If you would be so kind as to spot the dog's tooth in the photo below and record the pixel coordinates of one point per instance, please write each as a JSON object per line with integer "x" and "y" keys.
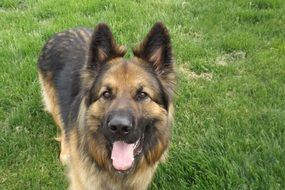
{"x": 136, "y": 144}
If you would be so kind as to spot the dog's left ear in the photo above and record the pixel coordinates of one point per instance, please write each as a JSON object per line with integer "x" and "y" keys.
{"x": 156, "y": 48}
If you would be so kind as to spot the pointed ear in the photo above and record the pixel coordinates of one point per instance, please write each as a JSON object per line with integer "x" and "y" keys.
{"x": 156, "y": 48}
{"x": 103, "y": 46}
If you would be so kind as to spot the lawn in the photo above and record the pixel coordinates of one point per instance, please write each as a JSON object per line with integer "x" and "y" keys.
{"x": 229, "y": 131}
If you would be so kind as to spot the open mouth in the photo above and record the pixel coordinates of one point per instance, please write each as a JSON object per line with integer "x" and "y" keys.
{"x": 123, "y": 154}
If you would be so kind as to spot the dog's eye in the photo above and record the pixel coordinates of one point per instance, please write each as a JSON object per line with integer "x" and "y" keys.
{"x": 141, "y": 96}
{"x": 107, "y": 95}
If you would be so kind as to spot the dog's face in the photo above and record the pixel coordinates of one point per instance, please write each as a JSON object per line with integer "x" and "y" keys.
{"x": 128, "y": 101}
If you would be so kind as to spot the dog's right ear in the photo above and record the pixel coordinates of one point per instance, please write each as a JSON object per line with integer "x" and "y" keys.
{"x": 156, "y": 49}
{"x": 103, "y": 47}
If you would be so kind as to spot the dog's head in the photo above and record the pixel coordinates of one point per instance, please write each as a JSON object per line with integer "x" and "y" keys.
{"x": 128, "y": 102}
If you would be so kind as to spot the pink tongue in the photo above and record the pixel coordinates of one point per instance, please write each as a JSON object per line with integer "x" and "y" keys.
{"x": 122, "y": 155}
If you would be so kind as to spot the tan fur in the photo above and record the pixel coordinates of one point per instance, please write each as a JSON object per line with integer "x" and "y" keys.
{"x": 84, "y": 175}
{"x": 51, "y": 105}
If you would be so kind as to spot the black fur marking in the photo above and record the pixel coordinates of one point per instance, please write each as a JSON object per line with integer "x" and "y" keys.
{"x": 150, "y": 137}
{"x": 93, "y": 95}
{"x": 64, "y": 56}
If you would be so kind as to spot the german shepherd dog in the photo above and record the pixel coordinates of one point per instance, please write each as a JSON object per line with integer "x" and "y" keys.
{"x": 114, "y": 114}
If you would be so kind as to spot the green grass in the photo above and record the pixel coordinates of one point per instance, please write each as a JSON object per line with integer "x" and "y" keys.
{"x": 230, "y": 105}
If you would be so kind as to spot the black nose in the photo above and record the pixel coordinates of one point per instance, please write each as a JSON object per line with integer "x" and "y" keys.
{"x": 120, "y": 125}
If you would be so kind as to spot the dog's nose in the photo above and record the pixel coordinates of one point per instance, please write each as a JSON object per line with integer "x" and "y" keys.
{"x": 120, "y": 125}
